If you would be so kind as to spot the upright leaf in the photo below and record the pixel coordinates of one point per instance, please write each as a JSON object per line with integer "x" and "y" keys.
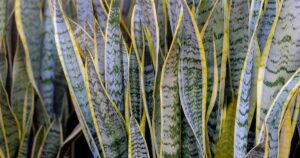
{"x": 107, "y": 118}
{"x": 114, "y": 50}
{"x": 137, "y": 144}
{"x": 280, "y": 59}
{"x": 193, "y": 78}
{"x": 170, "y": 102}
{"x": 73, "y": 70}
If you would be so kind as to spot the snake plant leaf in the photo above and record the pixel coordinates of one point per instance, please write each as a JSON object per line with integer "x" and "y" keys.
{"x": 24, "y": 146}
{"x": 29, "y": 25}
{"x": 73, "y": 136}
{"x": 114, "y": 50}
{"x": 137, "y": 32}
{"x": 202, "y": 13}
{"x": 170, "y": 102}
{"x": 137, "y": 146}
{"x": 173, "y": 11}
{"x": 47, "y": 86}
{"x": 10, "y": 123}
{"x": 108, "y": 121}
{"x": 19, "y": 83}
{"x": 3, "y": 62}
{"x": 267, "y": 20}
{"x": 257, "y": 152}
{"x": 85, "y": 13}
{"x": 149, "y": 20}
{"x": 162, "y": 20}
{"x": 73, "y": 70}
{"x": 213, "y": 114}
{"x": 239, "y": 40}
{"x": 225, "y": 145}
{"x": 3, "y": 143}
{"x": 101, "y": 13}
{"x": 276, "y": 113}
{"x": 286, "y": 133}
{"x": 246, "y": 84}
{"x": 51, "y": 141}
{"x": 37, "y": 141}
{"x": 281, "y": 60}
{"x": 135, "y": 89}
{"x": 193, "y": 78}
{"x": 189, "y": 147}
{"x": 99, "y": 45}
{"x": 3, "y": 4}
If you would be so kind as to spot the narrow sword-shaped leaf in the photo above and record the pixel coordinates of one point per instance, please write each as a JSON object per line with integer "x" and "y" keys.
{"x": 37, "y": 141}
{"x": 173, "y": 11}
{"x": 114, "y": 50}
{"x": 101, "y": 13}
{"x": 267, "y": 20}
{"x": 52, "y": 140}
{"x": 189, "y": 147}
{"x": 73, "y": 70}
{"x": 48, "y": 59}
{"x": 10, "y": 124}
{"x": 149, "y": 20}
{"x": 137, "y": 146}
{"x": 170, "y": 102}
{"x": 29, "y": 25}
{"x": 99, "y": 46}
{"x": 193, "y": 78}
{"x": 85, "y": 13}
{"x": 3, "y": 4}
{"x": 108, "y": 121}
{"x": 24, "y": 147}
{"x": 245, "y": 93}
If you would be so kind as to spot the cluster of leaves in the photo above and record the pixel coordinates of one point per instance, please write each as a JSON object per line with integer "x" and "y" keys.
{"x": 149, "y": 78}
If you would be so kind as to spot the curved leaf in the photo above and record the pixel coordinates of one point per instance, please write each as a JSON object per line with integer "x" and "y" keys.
{"x": 193, "y": 78}
{"x": 73, "y": 70}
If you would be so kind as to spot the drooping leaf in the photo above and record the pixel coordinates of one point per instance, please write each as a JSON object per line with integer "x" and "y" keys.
{"x": 73, "y": 69}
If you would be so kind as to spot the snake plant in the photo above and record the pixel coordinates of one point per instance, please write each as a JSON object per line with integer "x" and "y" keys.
{"x": 149, "y": 78}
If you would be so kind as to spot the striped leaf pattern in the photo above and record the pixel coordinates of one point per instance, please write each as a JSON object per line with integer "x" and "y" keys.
{"x": 114, "y": 50}
{"x": 137, "y": 144}
{"x": 73, "y": 69}
{"x": 170, "y": 103}
{"x": 282, "y": 58}
{"x": 107, "y": 118}
{"x": 192, "y": 78}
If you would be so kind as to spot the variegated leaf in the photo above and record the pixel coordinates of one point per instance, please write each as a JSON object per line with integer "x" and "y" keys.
{"x": 276, "y": 113}
{"x": 280, "y": 58}
{"x": 137, "y": 146}
{"x": 245, "y": 93}
{"x": 73, "y": 70}
{"x": 239, "y": 21}
{"x": 170, "y": 103}
{"x": 193, "y": 78}
{"x": 29, "y": 25}
{"x": 114, "y": 51}
{"x": 51, "y": 141}
{"x": 107, "y": 118}
{"x": 10, "y": 123}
